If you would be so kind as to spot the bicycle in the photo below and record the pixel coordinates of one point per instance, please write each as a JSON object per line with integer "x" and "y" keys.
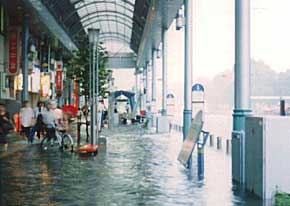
{"x": 63, "y": 140}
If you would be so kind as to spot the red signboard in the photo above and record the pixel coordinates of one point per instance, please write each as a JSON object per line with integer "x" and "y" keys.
{"x": 58, "y": 80}
{"x": 12, "y": 69}
{"x": 76, "y": 94}
{"x": 59, "y": 66}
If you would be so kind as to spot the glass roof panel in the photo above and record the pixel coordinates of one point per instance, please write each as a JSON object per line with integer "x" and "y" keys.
{"x": 114, "y": 18}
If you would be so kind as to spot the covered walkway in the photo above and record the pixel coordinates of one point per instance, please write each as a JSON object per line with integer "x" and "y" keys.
{"x": 139, "y": 167}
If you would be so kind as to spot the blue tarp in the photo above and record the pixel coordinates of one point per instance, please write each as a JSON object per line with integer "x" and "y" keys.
{"x": 129, "y": 95}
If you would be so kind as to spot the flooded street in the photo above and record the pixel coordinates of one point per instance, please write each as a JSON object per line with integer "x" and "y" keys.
{"x": 138, "y": 168}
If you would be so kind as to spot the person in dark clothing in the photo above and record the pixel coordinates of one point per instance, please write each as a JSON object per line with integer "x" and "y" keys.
{"x": 5, "y": 124}
{"x": 39, "y": 126}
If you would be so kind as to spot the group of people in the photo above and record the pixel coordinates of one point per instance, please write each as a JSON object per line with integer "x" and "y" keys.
{"x": 42, "y": 117}
{"x": 45, "y": 117}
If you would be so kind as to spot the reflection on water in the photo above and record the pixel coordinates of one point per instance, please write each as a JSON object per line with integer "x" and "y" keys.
{"x": 138, "y": 168}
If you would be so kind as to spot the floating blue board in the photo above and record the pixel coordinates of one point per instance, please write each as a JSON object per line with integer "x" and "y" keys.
{"x": 191, "y": 139}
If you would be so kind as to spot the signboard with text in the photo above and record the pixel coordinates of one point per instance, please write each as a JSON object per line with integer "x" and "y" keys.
{"x": 58, "y": 80}
{"x": 13, "y": 44}
{"x": 44, "y": 85}
{"x": 76, "y": 94}
{"x": 35, "y": 80}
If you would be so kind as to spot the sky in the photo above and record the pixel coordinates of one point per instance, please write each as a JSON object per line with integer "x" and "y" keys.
{"x": 214, "y": 40}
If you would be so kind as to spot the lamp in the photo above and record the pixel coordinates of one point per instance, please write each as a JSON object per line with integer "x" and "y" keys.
{"x": 93, "y": 35}
{"x": 159, "y": 53}
{"x": 94, "y": 80}
{"x": 179, "y": 19}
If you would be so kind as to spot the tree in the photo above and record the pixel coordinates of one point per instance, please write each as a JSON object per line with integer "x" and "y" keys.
{"x": 79, "y": 69}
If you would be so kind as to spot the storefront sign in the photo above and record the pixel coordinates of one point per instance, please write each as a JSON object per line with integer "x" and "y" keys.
{"x": 35, "y": 80}
{"x": 12, "y": 69}
{"x": 59, "y": 66}
{"x": 58, "y": 80}
{"x": 18, "y": 82}
{"x": 44, "y": 85}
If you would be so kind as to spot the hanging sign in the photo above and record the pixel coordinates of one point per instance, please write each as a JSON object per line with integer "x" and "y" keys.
{"x": 35, "y": 79}
{"x": 12, "y": 69}
{"x": 76, "y": 94}
{"x": 18, "y": 82}
{"x": 58, "y": 80}
{"x": 44, "y": 85}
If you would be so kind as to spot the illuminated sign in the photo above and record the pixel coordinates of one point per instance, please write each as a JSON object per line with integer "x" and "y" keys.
{"x": 18, "y": 82}
{"x": 58, "y": 80}
{"x": 35, "y": 80}
{"x": 44, "y": 85}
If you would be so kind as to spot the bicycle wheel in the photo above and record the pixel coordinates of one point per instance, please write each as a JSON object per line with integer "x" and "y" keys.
{"x": 45, "y": 143}
{"x": 67, "y": 143}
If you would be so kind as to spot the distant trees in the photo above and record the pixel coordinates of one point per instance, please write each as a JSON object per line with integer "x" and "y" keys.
{"x": 264, "y": 82}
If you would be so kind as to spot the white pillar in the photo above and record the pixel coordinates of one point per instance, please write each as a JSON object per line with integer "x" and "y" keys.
{"x": 147, "y": 83}
{"x": 154, "y": 57}
{"x": 153, "y": 93}
{"x": 164, "y": 70}
{"x": 242, "y": 87}
{"x": 144, "y": 89}
{"x": 188, "y": 66}
{"x": 242, "y": 55}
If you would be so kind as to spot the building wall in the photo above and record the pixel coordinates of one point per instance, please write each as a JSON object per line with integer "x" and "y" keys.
{"x": 4, "y": 91}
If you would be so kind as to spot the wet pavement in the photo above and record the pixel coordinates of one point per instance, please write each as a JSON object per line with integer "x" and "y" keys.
{"x": 138, "y": 168}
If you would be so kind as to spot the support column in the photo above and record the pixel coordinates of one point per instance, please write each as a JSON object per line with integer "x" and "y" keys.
{"x": 25, "y": 94}
{"x": 242, "y": 85}
{"x": 163, "y": 125}
{"x": 141, "y": 83}
{"x": 148, "y": 100}
{"x": 153, "y": 93}
{"x": 93, "y": 94}
{"x": 147, "y": 84}
{"x": 136, "y": 92}
{"x": 144, "y": 90}
{"x": 98, "y": 118}
{"x": 136, "y": 85}
{"x": 69, "y": 92}
{"x": 188, "y": 65}
{"x": 164, "y": 71}
{"x": 154, "y": 57}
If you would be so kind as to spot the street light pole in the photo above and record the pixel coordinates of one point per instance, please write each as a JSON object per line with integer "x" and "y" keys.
{"x": 93, "y": 40}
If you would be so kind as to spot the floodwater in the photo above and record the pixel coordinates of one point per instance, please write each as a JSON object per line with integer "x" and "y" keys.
{"x": 138, "y": 168}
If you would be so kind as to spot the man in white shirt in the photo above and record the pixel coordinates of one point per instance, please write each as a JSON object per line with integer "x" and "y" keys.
{"x": 27, "y": 119}
{"x": 101, "y": 109}
{"x": 49, "y": 120}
